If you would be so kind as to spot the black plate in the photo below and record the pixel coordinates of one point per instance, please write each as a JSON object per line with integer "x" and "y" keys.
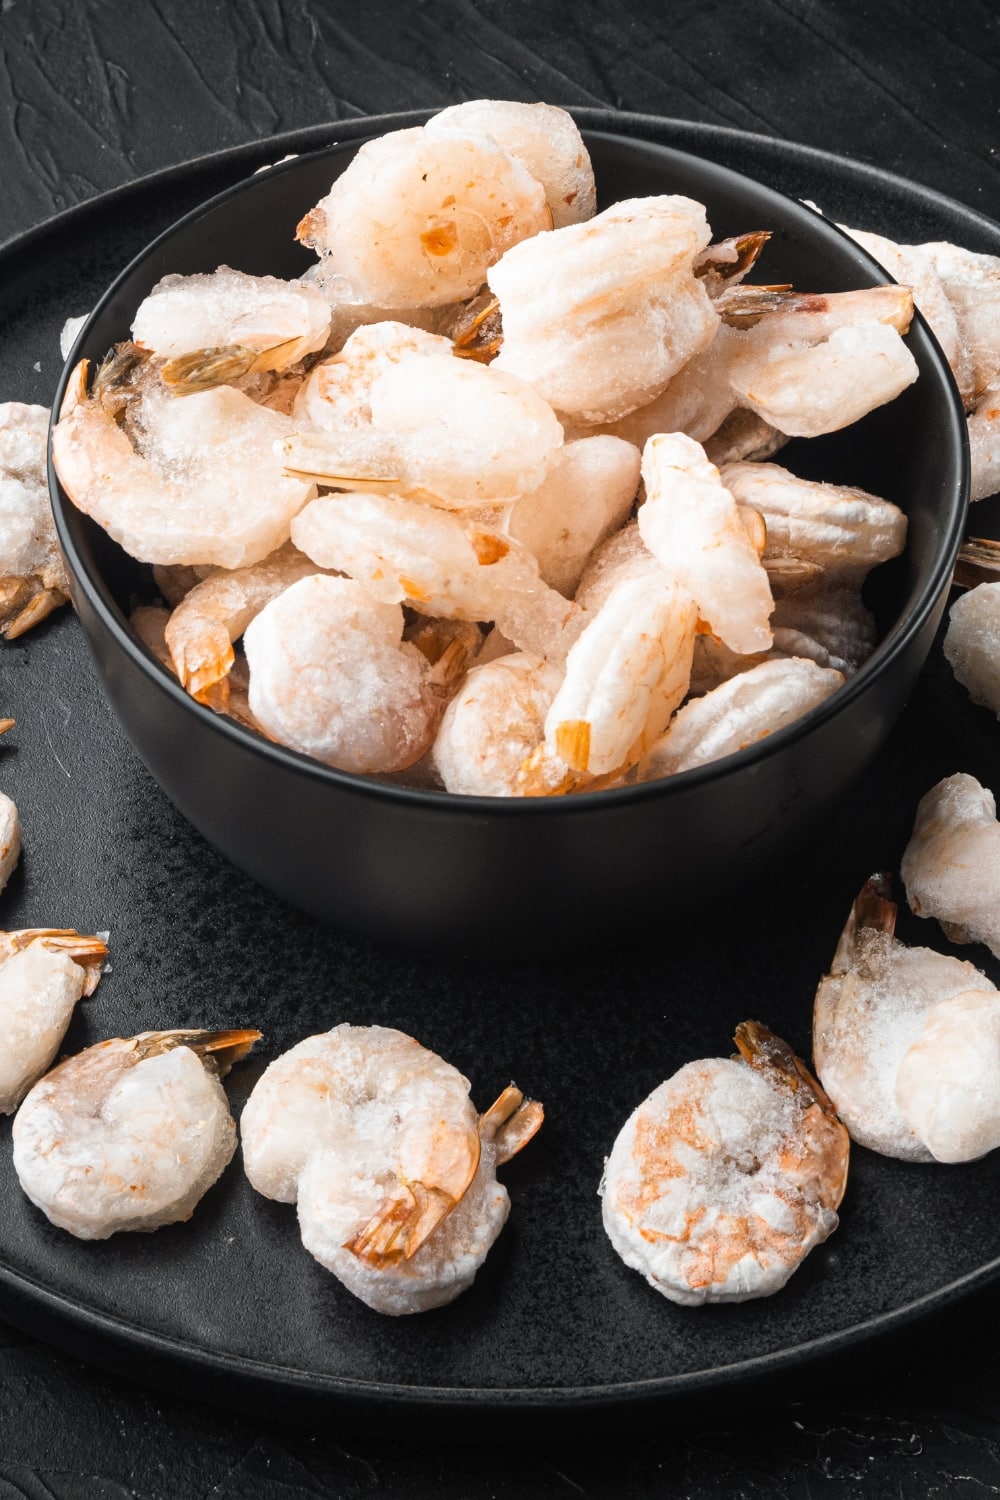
{"x": 230, "y": 1306}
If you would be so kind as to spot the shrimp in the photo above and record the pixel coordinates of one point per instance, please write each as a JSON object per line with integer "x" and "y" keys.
{"x": 831, "y": 625}
{"x": 624, "y": 677}
{"x": 870, "y": 1010}
{"x": 691, "y": 524}
{"x": 417, "y": 218}
{"x": 971, "y": 282}
{"x": 600, "y": 316}
{"x": 493, "y": 723}
{"x": 337, "y": 393}
{"x": 951, "y": 866}
{"x": 972, "y": 644}
{"x": 846, "y": 531}
{"x": 543, "y": 138}
{"x": 10, "y": 834}
{"x": 33, "y": 580}
{"x": 806, "y": 381}
{"x": 208, "y": 489}
{"x": 216, "y": 612}
{"x": 948, "y": 1081}
{"x": 739, "y": 712}
{"x": 394, "y": 1172}
{"x": 441, "y": 564}
{"x": 724, "y": 1179}
{"x": 586, "y": 495}
{"x": 216, "y": 328}
{"x": 461, "y": 434}
{"x": 131, "y": 1133}
{"x": 742, "y": 435}
{"x": 984, "y": 445}
{"x": 331, "y": 676}
{"x": 43, "y": 973}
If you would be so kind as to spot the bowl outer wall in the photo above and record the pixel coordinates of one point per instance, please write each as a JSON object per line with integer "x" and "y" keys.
{"x": 429, "y": 869}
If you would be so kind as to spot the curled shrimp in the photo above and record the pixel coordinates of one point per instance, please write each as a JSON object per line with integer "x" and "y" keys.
{"x": 543, "y": 138}
{"x": 972, "y": 641}
{"x": 43, "y": 973}
{"x": 870, "y": 1010}
{"x": 10, "y": 834}
{"x": 131, "y": 1133}
{"x": 625, "y": 675}
{"x": 620, "y": 292}
{"x": 337, "y": 393}
{"x": 417, "y": 217}
{"x": 441, "y": 564}
{"x": 724, "y": 1179}
{"x": 219, "y": 327}
{"x": 394, "y": 1172}
{"x": 216, "y": 611}
{"x": 33, "y": 579}
{"x": 493, "y": 723}
{"x": 951, "y": 865}
{"x": 691, "y": 524}
{"x": 332, "y": 677}
{"x": 209, "y": 488}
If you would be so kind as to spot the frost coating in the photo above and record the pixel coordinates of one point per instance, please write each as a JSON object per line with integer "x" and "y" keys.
{"x": 951, "y": 866}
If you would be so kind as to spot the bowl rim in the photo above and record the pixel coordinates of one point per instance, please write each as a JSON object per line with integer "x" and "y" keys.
{"x": 430, "y": 799}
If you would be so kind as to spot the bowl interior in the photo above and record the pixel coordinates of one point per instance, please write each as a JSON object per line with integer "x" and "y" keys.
{"x": 910, "y": 451}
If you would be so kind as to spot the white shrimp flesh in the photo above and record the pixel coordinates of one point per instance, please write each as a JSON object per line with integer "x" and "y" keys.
{"x": 972, "y": 644}
{"x": 951, "y": 866}
{"x": 43, "y": 973}
{"x": 33, "y": 579}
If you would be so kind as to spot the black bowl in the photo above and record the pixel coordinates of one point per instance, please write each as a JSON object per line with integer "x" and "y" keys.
{"x": 432, "y": 869}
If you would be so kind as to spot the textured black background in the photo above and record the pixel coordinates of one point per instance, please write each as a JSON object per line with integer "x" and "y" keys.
{"x": 97, "y": 95}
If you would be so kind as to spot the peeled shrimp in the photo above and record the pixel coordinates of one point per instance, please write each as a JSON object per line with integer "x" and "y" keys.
{"x": 417, "y": 218}
{"x": 738, "y": 713}
{"x": 832, "y": 626}
{"x": 691, "y": 524}
{"x": 441, "y": 564}
{"x": 951, "y": 866}
{"x": 216, "y": 612}
{"x": 462, "y": 433}
{"x": 33, "y": 579}
{"x": 209, "y": 489}
{"x": 624, "y": 677}
{"x": 10, "y": 837}
{"x": 724, "y": 1179}
{"x": 846, "y": 531}
{"x": 972, "y": 644}
{"x": 948, "y": 1082}
{"x": 43, "y": 973}
{"x": 393, "y": 1170}
{"x": 493, "y": 723}
{"x": 331, "y": 676}
{"x": 543, "y": 138}
{"x": 219, "y": 327}
{"x": 984, "y": 445}
{"x": 337, "y": 393}
{"x": 599, "y": 316}
{"x": 972, "y": 283}
{"x": 131, "y": 1133}
{"x": 870, "y": 1010}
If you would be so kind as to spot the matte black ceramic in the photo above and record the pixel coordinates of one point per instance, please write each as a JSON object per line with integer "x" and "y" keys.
{"x": 432, "y": 869}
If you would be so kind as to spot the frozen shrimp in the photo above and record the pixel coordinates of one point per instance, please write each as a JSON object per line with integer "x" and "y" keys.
{"x": 972, "y": 283}
{"x": 131, "y": 1133}
{"x": 600, "y": 316}
{"x": 846, "y": 531}
{"x": 948, "y": 1082}
{"x": 463, "y": 433}
{"x": 690, "y": 522}
{"x": 10, "y": 838}
{"x": 543, "y": 138}
{"x": 208, "y": 488}
{"x": 586, "y": 495}
{"x": 394, "y": 1172}
{"x": 984, "y": 445}
{"x": 43, "y": 973}
{"x": 622, "y": 555}
{"x": 216, "y": 612}
{"x": 417, "y": 218}
{"x": 743, "y": 434}
{"x": 951, "y": 866}
{"x": 724, "y": 1179}
{"x": 441, "y": 564}
{"x": 332, "y": 677}
{"x": 697, "y": 400}
{"x": 831, "y": 625}
{"x": 337, "y": 393}
{"x": 493, "y": 723}
{"x": 33, "y": 579}
{"x": 870, "y": 1010}
{"x": 808, "y": 372}
{"x": 972, "y": 644}
{"x": 219, "y": 327}
{"x": 738, "y": 713}
{"x": 624, "y": 677}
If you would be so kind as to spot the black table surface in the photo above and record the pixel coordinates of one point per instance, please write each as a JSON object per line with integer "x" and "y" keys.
{"x": 98, "y": 94}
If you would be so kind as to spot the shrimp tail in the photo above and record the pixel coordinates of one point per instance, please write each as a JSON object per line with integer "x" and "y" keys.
{"x": 978, "y": 562}
{"x": 873, "y": 911}
{"x": 218, "y": 1050}
{"x": 763, "y": 1050}
{"x": 402, "y": 1223}
{"x": 90, "y": 952}
{"x": 6, "y": 724}
{"x": 510, "y": 1123}
{"x": 25, "y": 602}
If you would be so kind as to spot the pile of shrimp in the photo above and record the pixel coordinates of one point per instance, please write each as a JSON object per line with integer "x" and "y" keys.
{"x": 489, "y": 494}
